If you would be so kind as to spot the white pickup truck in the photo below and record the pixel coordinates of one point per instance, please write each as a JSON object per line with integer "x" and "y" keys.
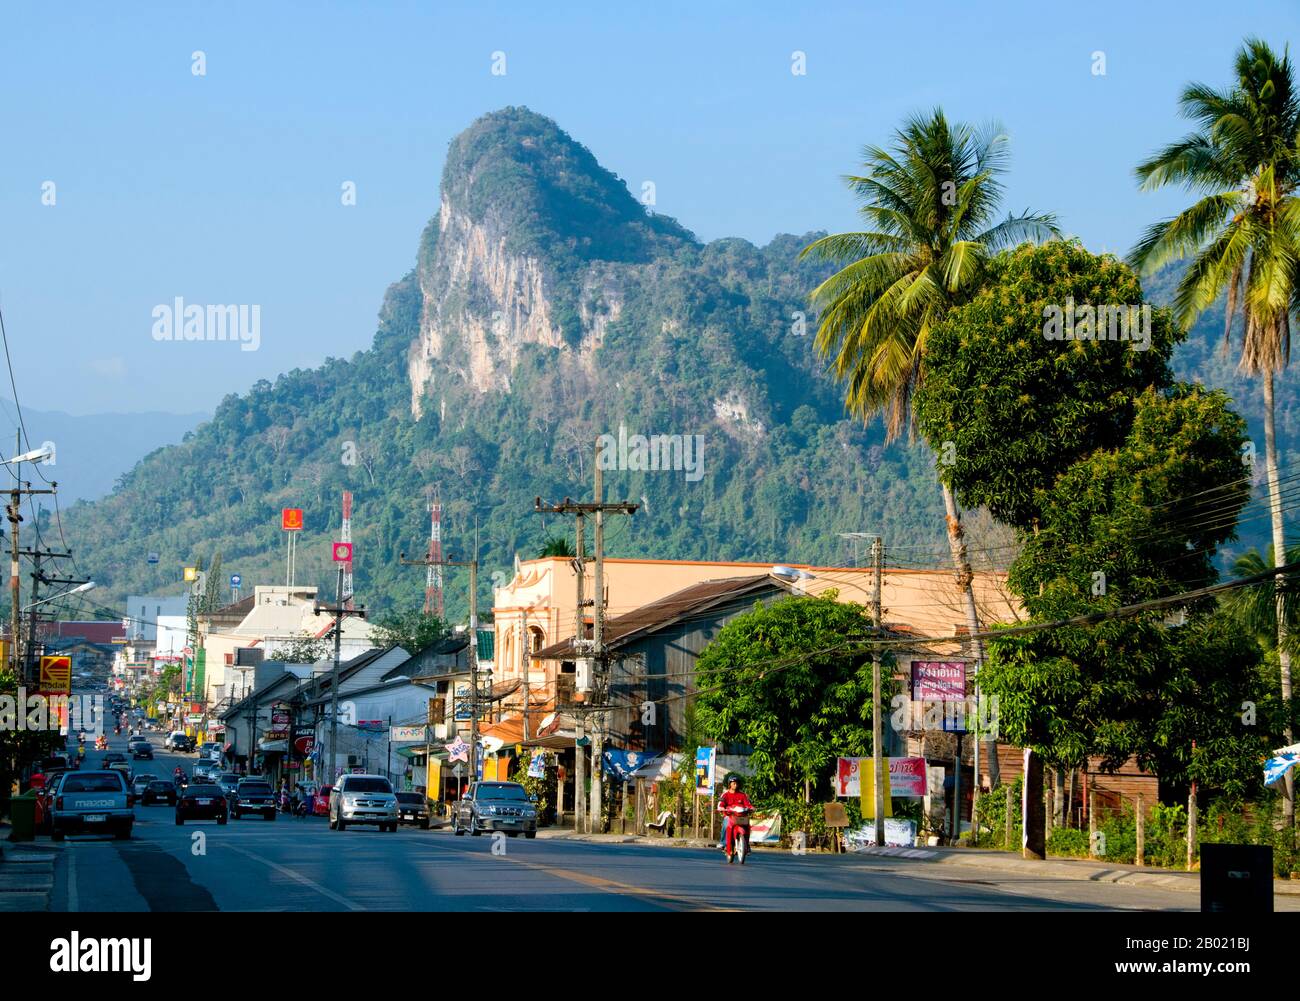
{"x": 92, "y": 803}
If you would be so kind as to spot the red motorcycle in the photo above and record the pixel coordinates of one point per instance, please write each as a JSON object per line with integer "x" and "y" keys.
{"x": 739, "y": 831}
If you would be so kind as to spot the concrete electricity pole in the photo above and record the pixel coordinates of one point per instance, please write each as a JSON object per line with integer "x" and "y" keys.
{"x": 340, "y": 610}
{"x": 878, "y": 761}
{"x": 599, "y": 681}
{"x": 473, "y": 650}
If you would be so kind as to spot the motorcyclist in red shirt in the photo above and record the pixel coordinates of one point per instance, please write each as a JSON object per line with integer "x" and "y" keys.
{"x": 735, "y": 805}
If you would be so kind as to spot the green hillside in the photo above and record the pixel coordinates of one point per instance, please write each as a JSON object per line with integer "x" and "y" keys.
{"x": 638, "y": 323}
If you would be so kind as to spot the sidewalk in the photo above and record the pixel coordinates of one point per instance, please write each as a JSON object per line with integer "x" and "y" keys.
{"x": 973, "y": 858}
{"x": 26, "y": 875}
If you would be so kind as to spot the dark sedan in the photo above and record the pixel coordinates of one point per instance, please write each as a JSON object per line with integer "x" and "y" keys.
{"x": 201, "y": 802}
{"x": 158, "y": 791}
{"x": 412, "y": 809}
{"x": 252, "y": 796}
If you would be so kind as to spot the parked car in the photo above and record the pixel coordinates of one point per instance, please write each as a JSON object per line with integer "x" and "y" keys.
{"x": 320, "y": 802}
{"x": 252, "y": 796}
{"x": 201, "y": 801}
{"x": 92, "y": 803}
{"x": 363, "y": 799}
{"x": 495, "y": 806}
{"x": 159, "y": 791}
{"x": 210, "y": 751}
{"x": 412, "y": 808}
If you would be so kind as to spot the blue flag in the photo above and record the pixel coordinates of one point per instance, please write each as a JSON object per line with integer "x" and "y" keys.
{"x": 621, "y": 764}
{"x": 1276, "y": 768}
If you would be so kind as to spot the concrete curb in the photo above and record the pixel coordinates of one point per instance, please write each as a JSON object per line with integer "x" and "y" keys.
{"x": 1052, "y": 868}
{"x": 1062, "y": 868}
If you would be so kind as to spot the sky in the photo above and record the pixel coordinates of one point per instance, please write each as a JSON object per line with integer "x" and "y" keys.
{"x": 227, "y": 186}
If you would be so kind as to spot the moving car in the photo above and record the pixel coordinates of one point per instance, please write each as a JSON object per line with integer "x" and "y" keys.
{"x": 363, "y": 799}
{"x": 413, "y": 809}
{"x": 141, "y": 749}
{"x": 229, "y": 783}
{"x": 111, "y": 757}
{"x": 201, "y": 801}
{"x": 251, "y": 796}
{"x": 123, "y": 768}
{"x": 92, "y": 803}
{"x": 495, "y": 806}
{"x": 205, "y": 771}
{"x": 140, "y": 781}
{"x": 177, "y": 741}
{"x": 159, "y": 791}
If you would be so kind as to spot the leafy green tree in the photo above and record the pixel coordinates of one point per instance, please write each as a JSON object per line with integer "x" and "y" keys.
{"x": 301, "y": 649}
{"x": 792, "y": 682}
{"x": 930, "y": 206}
{"x": 412, "y": 630}
{"x": 1018, "y": 409}
{"x": 1096, "y": 477}
{"x": 1243, "y": 235}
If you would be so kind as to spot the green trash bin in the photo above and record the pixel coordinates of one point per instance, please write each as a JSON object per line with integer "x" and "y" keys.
{"x": 22, "y": 817}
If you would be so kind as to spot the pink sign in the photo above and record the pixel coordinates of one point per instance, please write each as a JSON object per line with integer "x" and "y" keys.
{"x": 906, "y": 777}
{"x": 935, "y": 680}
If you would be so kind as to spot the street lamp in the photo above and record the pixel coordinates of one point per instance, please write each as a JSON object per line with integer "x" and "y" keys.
{"x": 43, "y": 452}
{"x": 79, "y": 589}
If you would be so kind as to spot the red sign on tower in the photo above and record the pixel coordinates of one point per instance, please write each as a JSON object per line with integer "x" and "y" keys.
{"x": 342, "y": 552}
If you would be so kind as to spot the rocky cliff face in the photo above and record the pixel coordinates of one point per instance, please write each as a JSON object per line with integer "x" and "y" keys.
{"x": 530, "y": 246}
{"x": 483, "y": 302}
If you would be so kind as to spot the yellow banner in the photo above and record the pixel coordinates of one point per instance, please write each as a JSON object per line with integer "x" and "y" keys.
{"x": 434, "y": 783}
{"x": 867, "y": 783}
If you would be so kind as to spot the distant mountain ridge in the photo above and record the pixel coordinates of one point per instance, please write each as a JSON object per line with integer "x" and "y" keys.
{"x": 93, "y": 451}
{"x": 546, "y": 307}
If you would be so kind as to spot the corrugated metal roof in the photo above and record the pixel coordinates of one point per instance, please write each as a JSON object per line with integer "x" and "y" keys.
{"x": 666, "y": 610}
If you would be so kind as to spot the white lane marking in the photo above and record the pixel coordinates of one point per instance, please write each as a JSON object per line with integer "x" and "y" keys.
{"x": 285, "y": 871}
{"x": 74, "y": 901}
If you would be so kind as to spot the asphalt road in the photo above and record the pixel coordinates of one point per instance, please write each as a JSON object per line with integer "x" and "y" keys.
{"x": 298, "y": 864}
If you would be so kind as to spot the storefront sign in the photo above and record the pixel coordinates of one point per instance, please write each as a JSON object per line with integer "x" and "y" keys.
{"x": 705, "y": 757}
{"x": 906, "y": 777}
{"x": 938, "y": 680}
{"x": 408, "y": 734}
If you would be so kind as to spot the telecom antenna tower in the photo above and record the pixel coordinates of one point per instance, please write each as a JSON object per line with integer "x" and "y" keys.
{"x": 347, "y": 537}
{"x": 433, "y": 577}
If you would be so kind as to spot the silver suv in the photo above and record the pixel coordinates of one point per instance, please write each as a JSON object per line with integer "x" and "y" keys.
{"x": 496, "y": 806}
{"x": 363, "y": 799}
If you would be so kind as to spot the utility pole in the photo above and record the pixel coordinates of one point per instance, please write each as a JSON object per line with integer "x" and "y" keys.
{"x": 599, "y": 680}
{"x": 473, "y": 647}
{"x": 340, "y": 611}
{"x": 580, "y": 817}
{"x": 15, "y": 589}
{"x": 877, "y": 724}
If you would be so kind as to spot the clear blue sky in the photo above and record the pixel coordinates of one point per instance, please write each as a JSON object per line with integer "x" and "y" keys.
{"x": 225, "y": 188}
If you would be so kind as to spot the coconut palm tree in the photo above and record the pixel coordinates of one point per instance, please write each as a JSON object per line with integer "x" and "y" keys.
{"x": 1256, "y": 610}
{"x": 930, "y": 207}
{"x": 1243, "y": 238}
